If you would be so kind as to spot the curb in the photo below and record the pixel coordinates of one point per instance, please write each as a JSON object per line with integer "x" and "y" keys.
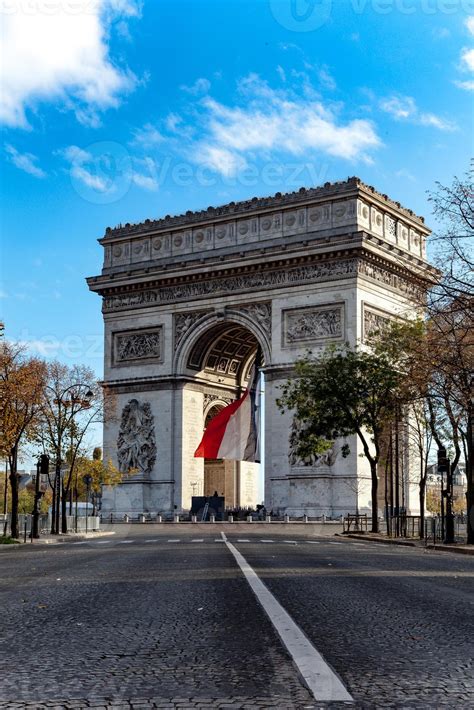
{"x": 46, "y": 540}
{"x": 452, "y": 548}
{"x": 380, "y": 540}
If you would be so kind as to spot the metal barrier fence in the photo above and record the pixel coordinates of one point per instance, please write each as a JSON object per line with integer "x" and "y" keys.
{"x": 230, "y": 516}
{"x": 25, "y": 524}
{"x": 435, "y": 529}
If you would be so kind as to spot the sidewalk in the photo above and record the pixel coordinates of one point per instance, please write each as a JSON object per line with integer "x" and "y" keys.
{"x": 56, "y": 539}
{"x": 457, "y": 547}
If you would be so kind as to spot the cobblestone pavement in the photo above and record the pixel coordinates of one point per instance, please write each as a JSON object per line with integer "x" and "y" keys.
{"x": 143, "y": 622}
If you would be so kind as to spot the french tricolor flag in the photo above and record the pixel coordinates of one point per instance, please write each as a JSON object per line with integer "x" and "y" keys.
{"x": 234, "y": 433}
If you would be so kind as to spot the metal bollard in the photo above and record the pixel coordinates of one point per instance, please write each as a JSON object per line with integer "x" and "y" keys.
{"x": 324, "y": 518}
{"x": 194, "y": 518}
{"x": 159, "y": 519}
{"x": 249, "y": 519}
{"x": 287, "y": 518}
{"x": 126, "y": 518}
{"x": 142, "y": 518}
{"x": 212, "y": 518}
{"x": 25, "y": 532}
{"x": 305, "y": 519}
{"x": 268, "y": 519}
{"x": 176, "y": 518}
{"x": 230, "y": 519}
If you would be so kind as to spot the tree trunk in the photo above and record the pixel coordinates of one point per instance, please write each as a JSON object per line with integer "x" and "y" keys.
{"x": 422, "y": 510}
{"x": 470, "y": 477}
{"x": 64, "y": 510}
{"x": 53, "y": 511}
{"x": 15, "y": 532}
{"x": 375, "y": 517}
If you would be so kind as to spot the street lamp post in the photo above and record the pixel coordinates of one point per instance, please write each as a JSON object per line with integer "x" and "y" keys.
{"x": 87, "y": 480}
{"x": 63, "y": 402}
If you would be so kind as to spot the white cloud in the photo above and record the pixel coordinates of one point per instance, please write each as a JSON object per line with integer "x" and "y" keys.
{"x": 399, "y": 106}
{"x": 268, "y": 121}
{"x": 79, "y": 169}
{"x": 467, "y": 59}
{"x": 24, "y": 161}
{"x": 58, "y": 51}
{"x": 200, "y": 86}
{"x": 149, "y": 135}
{"x": 405, "y": 174}
{"x": 147, "y": 180}
{"x": 326, "y": 79}
{"x": 470, "y": 24}
{"x": 219, "y": 159}
{"x": 404, "y": 108}
{"x": 465, "y": 85}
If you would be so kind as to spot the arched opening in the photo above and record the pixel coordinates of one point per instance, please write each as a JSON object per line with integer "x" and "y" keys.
{"x": 221, "y": 361}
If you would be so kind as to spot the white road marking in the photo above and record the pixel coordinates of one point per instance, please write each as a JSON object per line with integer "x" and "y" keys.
{"x": 290, "y": 542}
{"x": 201, "y": 540}
{"x": 83, "y": 542}
{"x": 266, "y": 540}
{"x": 219, "y": 540}
{"x": 125, "y": 542}
{"x": 102, "y": 542}
{"x": 173, "y": 541}
{"x": 313, "y": 542}
{"x": 243, "y": 540}
{"x": 335, "y": 543}
{"x": 322, "y": 681}
{"x": 154, "y": 540}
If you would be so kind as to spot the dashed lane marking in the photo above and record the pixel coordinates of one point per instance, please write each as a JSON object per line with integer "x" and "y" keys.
{"x": 103, "y": 542}
{"x": 290, "y": 542}
{"x": 243, "y": 540}
{"x": 173, "y": 541}
{"x": 197, "y": 540}
{"x": 313, "y": 542}
{"x": 266, "y": 541}
{"x": 322, "y": 681}
{"x": 125, "y": 542}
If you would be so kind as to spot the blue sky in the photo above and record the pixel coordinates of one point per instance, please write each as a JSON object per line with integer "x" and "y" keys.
{"x": 117, "y": 111}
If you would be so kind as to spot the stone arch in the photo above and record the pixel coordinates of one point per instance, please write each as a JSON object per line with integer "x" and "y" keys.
{"x": 216, "y": 324}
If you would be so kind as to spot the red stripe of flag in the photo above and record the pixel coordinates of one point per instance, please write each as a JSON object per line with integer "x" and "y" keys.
{"x": 215, "y": 430}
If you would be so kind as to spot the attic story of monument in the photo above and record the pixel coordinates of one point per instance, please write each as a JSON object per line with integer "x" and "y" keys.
{"x": 186, "y": 300}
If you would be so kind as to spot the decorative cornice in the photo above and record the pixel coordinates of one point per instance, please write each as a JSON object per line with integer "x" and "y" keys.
{"x": 310, "y": 269}
{"x": 336, "y": 189}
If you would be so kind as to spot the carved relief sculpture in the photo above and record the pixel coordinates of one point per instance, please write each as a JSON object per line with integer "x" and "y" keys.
{"x": 313, "y": 460}
{"x": 184, "y": 322}
{"x": 260, "y": 313}
{"x": 313, "y": 324}
{"x": 137, "y": 346}
{"x": 136, "y": 448}
{"x": 374, "y": 322}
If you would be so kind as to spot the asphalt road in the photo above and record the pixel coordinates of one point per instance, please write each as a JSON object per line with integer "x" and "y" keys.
{"x": 158, "y": 616}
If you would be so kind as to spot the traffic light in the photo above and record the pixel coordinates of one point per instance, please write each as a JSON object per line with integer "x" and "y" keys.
{"x": 443, "y": 461}
{"x": 44, "y": 465}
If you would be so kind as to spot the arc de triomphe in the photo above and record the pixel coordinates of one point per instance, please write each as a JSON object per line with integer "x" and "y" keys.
{"x": 186, "y": 300}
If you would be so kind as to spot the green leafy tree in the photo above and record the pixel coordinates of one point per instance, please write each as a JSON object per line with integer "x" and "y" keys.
{"x": 347, "y": 391}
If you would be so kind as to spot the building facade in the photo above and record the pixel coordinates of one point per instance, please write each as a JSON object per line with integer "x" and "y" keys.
{"x": 187, "y": 300}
